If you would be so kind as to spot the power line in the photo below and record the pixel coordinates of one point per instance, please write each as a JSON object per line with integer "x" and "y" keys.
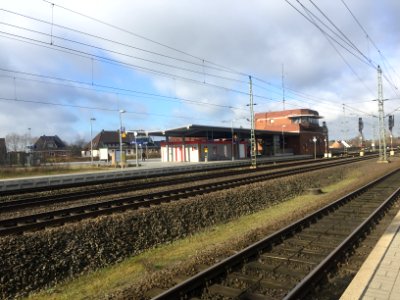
{"x": 116, "y": 42}
{"x": 341, "y": 32}
{"x": 100, "y": 58}
{"x": 147, "y": 39}
{"x": 93, "y": 108}
{"x": 120, "y": 53}
{"x": 337, "y": 51}
{"x": 373, "y": 43}
{"x": 322, "y": 30}
{"x": 111, "y": 61}
{"x": 113, "y": 88}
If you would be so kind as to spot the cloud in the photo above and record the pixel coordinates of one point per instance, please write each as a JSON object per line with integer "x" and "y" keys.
{"x": 256, "y": 37}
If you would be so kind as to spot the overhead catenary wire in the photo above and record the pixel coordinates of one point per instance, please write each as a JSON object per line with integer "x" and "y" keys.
{"x": 112, "y": 61}
{"x": 140, "y": 58}
{"x": 93, "y": 108}
{"x": 118, "y": 43}
{"x": 311, "y": 15}
{"x": 123, "y": 44}
{"x": 374, "y": 44}
{"x": 240, "y": 73}
{"x": 361, "y": 59}
{"x": 364, "y": 58}
{"x": 200, "y": 59}
{"x": 115, "y": 89}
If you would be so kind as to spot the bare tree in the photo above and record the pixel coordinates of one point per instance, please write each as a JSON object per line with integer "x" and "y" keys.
{"x": 17, "y": 142}
{"x": 77, "y": 146}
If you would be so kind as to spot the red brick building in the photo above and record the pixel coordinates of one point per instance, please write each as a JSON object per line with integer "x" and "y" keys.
{"x": 305, "y": 122}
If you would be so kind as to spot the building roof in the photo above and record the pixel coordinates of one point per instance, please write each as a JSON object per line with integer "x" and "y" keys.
{"x": 51, "y": 142}
{"x": 212, "y": 132}
{"x": 109, "y": 137}
{"x": 305, "y": 115}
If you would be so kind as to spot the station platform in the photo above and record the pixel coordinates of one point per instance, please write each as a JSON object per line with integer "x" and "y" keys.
{"x": 146, "y": 168}
{"x": 379, "y": 276}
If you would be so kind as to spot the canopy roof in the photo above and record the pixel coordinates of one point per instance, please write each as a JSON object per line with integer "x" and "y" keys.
{"x": 213, "y": 132}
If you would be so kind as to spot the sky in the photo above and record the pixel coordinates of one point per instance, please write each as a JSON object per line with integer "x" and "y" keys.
{"x": 169, "y": 63}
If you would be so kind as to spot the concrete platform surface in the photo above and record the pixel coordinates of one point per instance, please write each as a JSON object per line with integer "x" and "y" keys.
{"x": 145, "y": 168}
{"x": 379, "y": 276}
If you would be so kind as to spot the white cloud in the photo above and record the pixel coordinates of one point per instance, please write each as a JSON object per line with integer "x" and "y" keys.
{"x": 254, "y": 37}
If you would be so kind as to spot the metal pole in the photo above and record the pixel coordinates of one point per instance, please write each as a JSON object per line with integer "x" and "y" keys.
{"x": 120, "y": 136}
{"x": 91, "y": 140}
{"x": 382, "y": 138}
{"x": 315, "y": 147}
{"x": 232, "y": 145}
{"x": 253, "y": 149}
{"x": 136, "y": 149}
{"x": 283, "y": 140}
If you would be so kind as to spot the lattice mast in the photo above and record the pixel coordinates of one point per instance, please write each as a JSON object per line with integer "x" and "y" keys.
{"x": 253, "y": 148}
{"x": 382, "y": 138}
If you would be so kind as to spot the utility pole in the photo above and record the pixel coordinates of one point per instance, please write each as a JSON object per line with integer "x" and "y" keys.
{"x": 382, "y": 138}
{"x": 253, "y": 148}
{"x": 283, "y": 86}
{"x": 344, "y": 128}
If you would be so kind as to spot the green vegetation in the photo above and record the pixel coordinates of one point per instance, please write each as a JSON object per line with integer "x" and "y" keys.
{"x": 117, "y": 254}
{"x": 131, "y": 271}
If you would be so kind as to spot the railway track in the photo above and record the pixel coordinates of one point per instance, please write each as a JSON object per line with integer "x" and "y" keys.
{"x": 40, "y": 200}
{"x": 291, "y": 262}
{"x": 61, "y": 216}
{"x": 210, "y": 169}
{"x": 124, "y": 187}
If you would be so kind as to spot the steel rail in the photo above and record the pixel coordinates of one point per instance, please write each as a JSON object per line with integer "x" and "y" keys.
{"x": 34, "y": 201}
{"x": 42, "y": 220}
{"x": 230, "y": 165}
{"x": 192, "y": 285}
{"x": 336, "y": 256}
{"x": 114, "y": 190}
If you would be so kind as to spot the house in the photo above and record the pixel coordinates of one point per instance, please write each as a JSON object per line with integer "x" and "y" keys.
{"x": 50, "y": 146}
{"x": 3, "y": 151}
{"x": 110, "y": 140}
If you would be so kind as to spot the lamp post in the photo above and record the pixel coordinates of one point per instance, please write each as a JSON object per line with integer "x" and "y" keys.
{"x": 136, "y": 149}
{"x": 315, "y": 147}
{"x": 91, "y": 139}
{"x": 232, "y": 142}
{"x": 283, "y": 140}
{"x": 120, "y": 136}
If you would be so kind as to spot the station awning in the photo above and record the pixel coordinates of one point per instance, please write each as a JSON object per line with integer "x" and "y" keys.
{"x": 213, "y": 132}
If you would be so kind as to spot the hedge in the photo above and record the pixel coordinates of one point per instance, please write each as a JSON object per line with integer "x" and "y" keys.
{"x": 37, "y": 260}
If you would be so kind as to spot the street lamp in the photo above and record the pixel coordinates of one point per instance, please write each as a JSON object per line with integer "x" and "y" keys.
{"x": 91, "y": 139}
{"x": 120, "y": 136}
{"x": 283, "y": 140}
{"x": 136, "y": 150}
{"x": 315, "y": 147}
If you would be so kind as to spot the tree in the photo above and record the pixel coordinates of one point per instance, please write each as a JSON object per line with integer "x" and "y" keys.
{"x": 17, "y": 142}
{"x": 77, "y": 146}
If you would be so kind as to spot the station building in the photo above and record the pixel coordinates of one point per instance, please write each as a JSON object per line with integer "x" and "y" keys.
{"x": 309, "y": 134}
{"x": 288, "y": 132}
